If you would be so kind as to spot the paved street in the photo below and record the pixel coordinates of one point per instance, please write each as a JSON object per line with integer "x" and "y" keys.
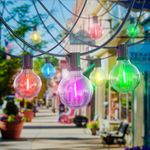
{"x": 44, "y": 133}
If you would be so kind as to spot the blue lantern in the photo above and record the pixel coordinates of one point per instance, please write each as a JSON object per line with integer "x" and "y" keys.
{"x": 48, "y": 70}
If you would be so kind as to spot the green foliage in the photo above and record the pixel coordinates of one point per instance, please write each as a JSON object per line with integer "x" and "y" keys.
{"x": 93, "y": 125}
{"x": 29, "y": 105}
{"x": 11, "y": 118}
{"x": 11, "y": 108}
{"x": 8, "y": 69}
{"x": 39, "y": 62}
{"x": 21, "y": 30}
{"x": 1, "y": 102}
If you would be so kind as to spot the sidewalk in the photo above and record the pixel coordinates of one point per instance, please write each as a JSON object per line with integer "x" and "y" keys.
{"x": 44, "y": 133}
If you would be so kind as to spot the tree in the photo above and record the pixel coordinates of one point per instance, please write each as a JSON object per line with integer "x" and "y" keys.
{"x": 24, "y": 22}
{"x": 8, "y": 69}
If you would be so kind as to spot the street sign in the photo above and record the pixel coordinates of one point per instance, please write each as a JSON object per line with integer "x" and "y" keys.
{"x": 139, "y": 55}
{"x": 80, "y": 37}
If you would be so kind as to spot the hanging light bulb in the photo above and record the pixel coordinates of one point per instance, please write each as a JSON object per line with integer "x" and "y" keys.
{"x": 48, "y": 70}
{"x": 35, "y": 36}
{"x": 98, "y": 76}
{"x": 124, "y": 77}
{"x": 75, "y": 90}
{"x": 133, "y": 29}
{"x": 95, "y": 30}
{"x": 27, "y": 84}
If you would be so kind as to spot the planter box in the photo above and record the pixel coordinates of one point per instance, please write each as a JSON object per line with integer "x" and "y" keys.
{"x": 28, "y": 115}
{"x": 11, "y": 130}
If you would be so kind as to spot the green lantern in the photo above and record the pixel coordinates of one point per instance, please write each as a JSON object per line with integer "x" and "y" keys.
{"x": 133, "y": 29}
{"x": 124, "y": 77}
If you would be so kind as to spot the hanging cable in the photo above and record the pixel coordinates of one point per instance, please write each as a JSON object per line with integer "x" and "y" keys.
{"x": 3, "y": 9}
{"x": 109, "y": 11}
{"x": 47, "y": 28}
{"x": 65, "y": 7}
{"x": 44, "y": 52}
{"x": 131, "y": 5}
{"x": 63, "y": 26}
{"x": 138, "y": 20}
{"x": 13, "y": 17}
{"x": 87, "y": 59}
{"x": 97, "y": 47}
{"x": 117, "y": 31}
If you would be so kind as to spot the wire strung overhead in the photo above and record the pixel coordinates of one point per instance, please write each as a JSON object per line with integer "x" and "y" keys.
{"x": 106, "y": 10}
{"x": 68, "y": 32}
{"x": 97, "y": 46}
{"x": 39, "y": 50}
{"x": 47, "y": 28}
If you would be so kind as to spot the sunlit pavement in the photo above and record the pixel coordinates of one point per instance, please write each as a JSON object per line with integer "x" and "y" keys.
{"x": 44, "y": 133}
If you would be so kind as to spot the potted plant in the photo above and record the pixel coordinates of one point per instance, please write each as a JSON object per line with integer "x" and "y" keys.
{"x": 80, "y": 121}
{"x": 11, "y": 122}
{"x": 27, "y": 110}
{"x": 93, "y": 126}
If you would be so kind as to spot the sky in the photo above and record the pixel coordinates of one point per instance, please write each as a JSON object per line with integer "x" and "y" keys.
{"x": 58, "y": 11}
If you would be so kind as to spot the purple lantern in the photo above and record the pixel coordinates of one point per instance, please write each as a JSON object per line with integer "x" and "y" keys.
{"x": 76, "y": 90}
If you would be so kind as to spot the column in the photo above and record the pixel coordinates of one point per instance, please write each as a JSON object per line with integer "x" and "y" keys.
{"x": 147, "y": 110}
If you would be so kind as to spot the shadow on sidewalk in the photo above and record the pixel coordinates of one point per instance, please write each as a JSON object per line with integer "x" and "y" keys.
{"x": 51, "y": 127}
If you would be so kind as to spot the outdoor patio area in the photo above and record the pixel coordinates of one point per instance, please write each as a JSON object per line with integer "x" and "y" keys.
{"x": 74, "y": 74}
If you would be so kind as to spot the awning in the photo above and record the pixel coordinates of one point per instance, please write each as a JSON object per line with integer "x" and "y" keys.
{"x": 138, "y": 4}
{"x": 89, "y": 70}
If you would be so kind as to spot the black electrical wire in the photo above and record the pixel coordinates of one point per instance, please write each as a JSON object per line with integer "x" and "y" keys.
{"x": 13, "y": 17}
{"x": 46, "y": 27}
{"x": 64, "y": 27}
{"x": 43, "y": 52}
{"x": 68, "y": 32}
{"x": 16, "y": 41}
{"x": 109, "y": 11}
{"x": 97, "y": 47}
{"x": 138, "y": 42}
{"x": 138, "y": 20}
{"x": 87, "y": 59}
{"x": 50, "y": 32}
{"x": 11, "y": 55}
{"x": 75, "y": 37}
{"x": 64, "y": 6}
{"x": 54, "y": 18}
{"x": 3, "y": 9}
{"x": 117, "y": 31}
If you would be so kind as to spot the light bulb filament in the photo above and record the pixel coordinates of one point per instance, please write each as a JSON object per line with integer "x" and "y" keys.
{"x": 75, "y": 89}
{"x": 28, "y": 84}
{"x": 48, "y": 71}
{"x": 124, "y": 77}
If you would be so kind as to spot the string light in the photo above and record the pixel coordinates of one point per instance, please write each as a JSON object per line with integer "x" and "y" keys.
{"x": 132, "y": 29}
{"x": 124, "y": 77}
{"x": 35, "y": 36}
{"x": 48, "y": 70}
{"x": 75, "y": 90}
{"x": 95, "y": 30}
{"x": 27, "y": 84}
{"x": 98, "y": 76}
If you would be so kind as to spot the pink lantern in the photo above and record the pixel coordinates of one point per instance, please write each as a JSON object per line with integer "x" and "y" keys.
{"x": 95, "y": 30}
